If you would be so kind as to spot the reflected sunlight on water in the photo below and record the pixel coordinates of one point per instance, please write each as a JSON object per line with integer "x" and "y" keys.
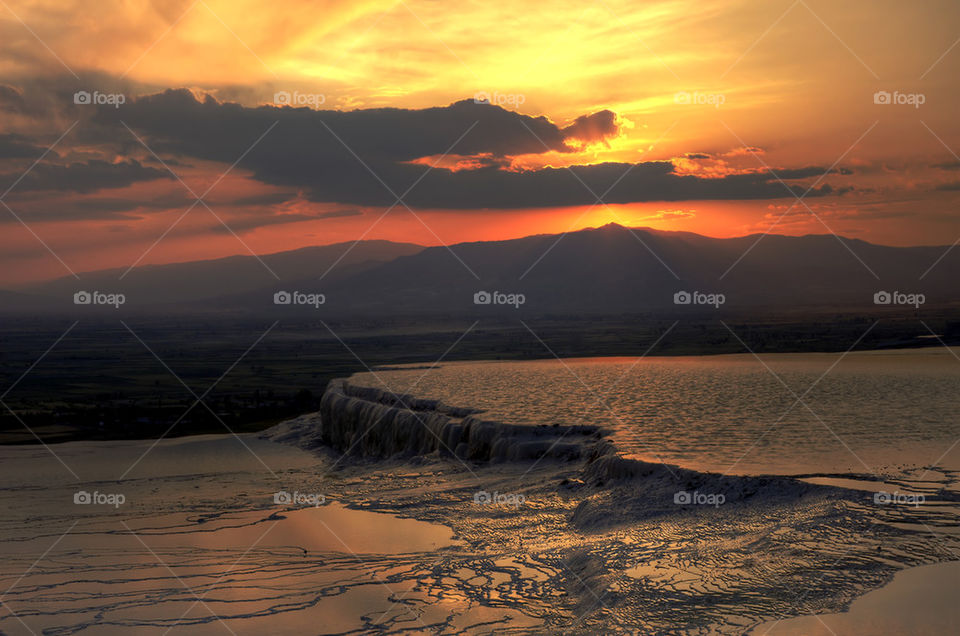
{"x": 780, "y": 413}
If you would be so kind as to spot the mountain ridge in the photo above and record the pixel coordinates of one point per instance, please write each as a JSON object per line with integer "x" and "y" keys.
{"x": 609, "y": 269}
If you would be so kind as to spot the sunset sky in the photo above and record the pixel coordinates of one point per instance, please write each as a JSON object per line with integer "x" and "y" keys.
{"x": 307, "y": 120}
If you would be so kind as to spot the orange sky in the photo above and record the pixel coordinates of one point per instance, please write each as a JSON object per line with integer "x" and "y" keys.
{"x": 691, "y": 82}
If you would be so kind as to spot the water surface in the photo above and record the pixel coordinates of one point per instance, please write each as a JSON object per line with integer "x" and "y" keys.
{"x": 864, "y": 413}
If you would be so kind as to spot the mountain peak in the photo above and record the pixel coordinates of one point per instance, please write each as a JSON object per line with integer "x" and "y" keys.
{"x": 612, "y": 226}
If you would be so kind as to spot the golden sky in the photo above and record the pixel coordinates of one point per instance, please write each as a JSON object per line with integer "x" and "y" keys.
{"x": 722, "y": 89}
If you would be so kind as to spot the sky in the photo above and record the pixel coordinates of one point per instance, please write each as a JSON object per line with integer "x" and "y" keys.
{"x": 138, "y": 132}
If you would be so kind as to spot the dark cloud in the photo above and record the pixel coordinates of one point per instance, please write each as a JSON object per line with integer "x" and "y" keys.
{"x": 588, "y": 129}
{"x": 11, "y": 99}
{"x": 651, "y": 181}
{"x": 334, "y": 214}
{"x": 347, "y": 157}
{"x": 481, "y": 161}
{"x": 92, "y": 208}
{"x": 950, "y": 165}
{"x": 166, "y": 161}
{"x": 744, "y": 150}
{"x": 208, "y": 129}
{"x": 697, "y": 155}
{"x": 39, "y": 206}
{"x": 18, "y": 147}
{"x": 270, "y": 198}
{"x": 87, "y": 176}
{"x": 803, "y": 173}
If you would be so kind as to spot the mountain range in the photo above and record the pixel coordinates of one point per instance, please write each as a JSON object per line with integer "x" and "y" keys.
{"x": 611, "y": 269}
